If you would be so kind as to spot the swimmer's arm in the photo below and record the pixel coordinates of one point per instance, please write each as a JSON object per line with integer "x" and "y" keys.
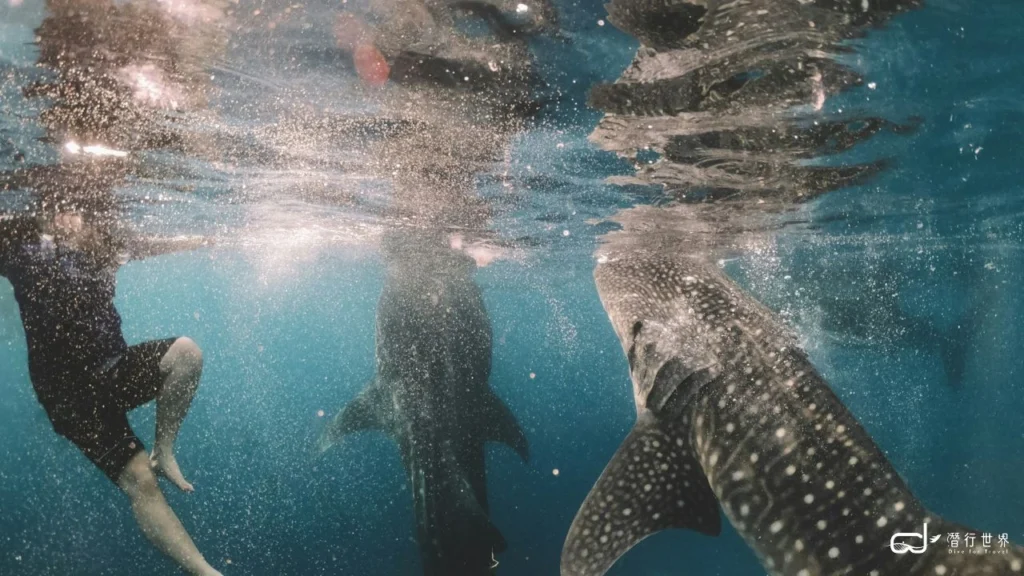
{"x": 148, "y": 247}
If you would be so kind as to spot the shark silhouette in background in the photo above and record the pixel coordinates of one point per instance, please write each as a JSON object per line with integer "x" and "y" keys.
{"x": 456, "y": 102}
{"x": 431, "y": 396}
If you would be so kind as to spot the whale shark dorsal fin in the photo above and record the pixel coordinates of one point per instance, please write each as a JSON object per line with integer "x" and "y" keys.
{"x": 500, "y": 425}
{"x": 367, "y": 411}
{"x": 653, "y": 483}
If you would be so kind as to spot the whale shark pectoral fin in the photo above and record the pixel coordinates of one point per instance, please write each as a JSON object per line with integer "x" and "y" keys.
{"x": 500, "y": 425}
{"x": 368, "y": 411}
{"x": 653, "y": 483}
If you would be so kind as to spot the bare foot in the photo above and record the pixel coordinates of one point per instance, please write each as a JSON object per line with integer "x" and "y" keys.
{"x": 164, "y": 463}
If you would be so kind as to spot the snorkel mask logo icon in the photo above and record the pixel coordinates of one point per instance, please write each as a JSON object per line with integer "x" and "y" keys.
{"x": 904, "y": 547}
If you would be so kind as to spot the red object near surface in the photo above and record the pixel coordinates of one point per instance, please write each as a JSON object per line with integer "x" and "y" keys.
{"x": 371, "y": 65}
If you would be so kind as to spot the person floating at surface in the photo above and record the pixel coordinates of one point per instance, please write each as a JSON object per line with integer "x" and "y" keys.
{"x": 86, "y": 376}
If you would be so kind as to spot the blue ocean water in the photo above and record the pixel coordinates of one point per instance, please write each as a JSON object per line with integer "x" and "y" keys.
{"x": 288, "y": 338}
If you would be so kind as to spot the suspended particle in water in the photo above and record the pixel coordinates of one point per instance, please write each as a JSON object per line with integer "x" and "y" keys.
{"x": 600, "y": 22}
{"x": 320, "y": 413}
{"x": 532, "y": 375}
{"x": 872, "y": 85}
{"x": 565, "y": 232}
{"x": 555, "y": 472}
{"x": 520, "y": 8}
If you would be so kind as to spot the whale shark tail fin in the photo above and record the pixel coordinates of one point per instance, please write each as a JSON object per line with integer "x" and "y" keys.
{"x": 500, "y": 425}
{"x": 480, "y": 522}
{"x": 456, "y": 535}
{"x": 368, "y": 411}
{"x": 653, "y": 483}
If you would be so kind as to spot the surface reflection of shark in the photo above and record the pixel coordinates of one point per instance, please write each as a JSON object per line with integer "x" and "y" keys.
{"x": 731, "y": 99}
{"x": 431, "y": 395}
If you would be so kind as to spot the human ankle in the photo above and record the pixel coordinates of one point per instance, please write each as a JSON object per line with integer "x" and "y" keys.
{"x": 163, "y": 447}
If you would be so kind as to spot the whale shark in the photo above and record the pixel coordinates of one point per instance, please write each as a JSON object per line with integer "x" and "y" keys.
{"x": 731, "y": 411}
{"x": 431, "y": 395}
{"x": 722, "y": 109}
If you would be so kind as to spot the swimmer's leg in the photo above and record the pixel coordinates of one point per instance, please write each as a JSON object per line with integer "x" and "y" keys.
{"x": 180, "y": 368}
{"x": 157, "y": 520}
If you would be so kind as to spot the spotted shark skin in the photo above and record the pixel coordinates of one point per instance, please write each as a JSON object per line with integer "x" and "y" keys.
{"x": 731, "y": 410}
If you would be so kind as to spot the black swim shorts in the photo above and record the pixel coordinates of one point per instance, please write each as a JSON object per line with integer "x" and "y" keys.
{"x": 91, "y": 409}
